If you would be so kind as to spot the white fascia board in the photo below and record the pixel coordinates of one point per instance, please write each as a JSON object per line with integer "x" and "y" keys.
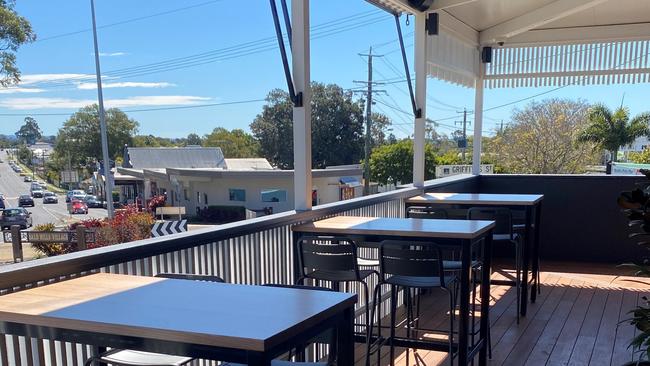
{"x": 535, "y": 19}
{"x": 446, "y": 4}
{"x": 601, "y": 33}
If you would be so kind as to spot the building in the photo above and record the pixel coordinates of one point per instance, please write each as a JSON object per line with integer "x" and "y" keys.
{"x": 249, "y": 183}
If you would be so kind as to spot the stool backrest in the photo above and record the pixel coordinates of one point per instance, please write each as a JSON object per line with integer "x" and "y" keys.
{"x": 403, "y": 258}
{"x": 426, "y": 213}
{"x": 327, "y": 253}
{"x": 500, "y": 215}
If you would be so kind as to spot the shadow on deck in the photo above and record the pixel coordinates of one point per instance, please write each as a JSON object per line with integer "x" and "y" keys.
{"x": 578, "y": 319}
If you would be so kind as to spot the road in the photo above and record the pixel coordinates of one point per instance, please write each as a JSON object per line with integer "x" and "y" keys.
{"x": 12, "y": 186}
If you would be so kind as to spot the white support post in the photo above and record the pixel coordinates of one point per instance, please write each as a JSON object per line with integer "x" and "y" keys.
{"x": 478, "y": 120}
{"x": 301, "y": 115}
{"x": 420, "y": 98}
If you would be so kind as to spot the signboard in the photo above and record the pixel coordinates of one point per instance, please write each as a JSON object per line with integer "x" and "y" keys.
{"x": 69, "y": 176}
{"x": 449, "y": 170}
{"x": 48, "y": 237}
{"x": 628, "y": 168}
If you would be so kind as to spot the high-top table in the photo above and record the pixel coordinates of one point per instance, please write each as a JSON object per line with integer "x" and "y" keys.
{"x": 465, "y": 233}
{"x": 530, "y": 203}
{"x": 238, "y": 323}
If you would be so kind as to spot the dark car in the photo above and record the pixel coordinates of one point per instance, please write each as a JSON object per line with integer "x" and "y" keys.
{"x": 77, "y": 207}
{"x": 50, "y": 197}
{"x": 15, "y": 216}
{"x": 93, "y": 202}
{"x": 25, "y": 200}
{"x": 2, "y": 202}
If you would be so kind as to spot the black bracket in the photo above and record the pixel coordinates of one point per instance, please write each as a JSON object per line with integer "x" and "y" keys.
{"x": 295, "y": 98}
{"x": 417, "y": 112}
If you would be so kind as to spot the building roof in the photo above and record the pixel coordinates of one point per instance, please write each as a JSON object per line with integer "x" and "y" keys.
{"x": 173, "y": 157}
{"x": 248, "y": 164}
{"x": 274, "y": 173}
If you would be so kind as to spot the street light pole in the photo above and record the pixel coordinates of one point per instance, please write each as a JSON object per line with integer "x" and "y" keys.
{"x": 108, "y": 190}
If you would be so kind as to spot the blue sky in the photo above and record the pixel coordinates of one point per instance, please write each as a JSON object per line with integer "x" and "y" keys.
{"x": 59, "y": 68}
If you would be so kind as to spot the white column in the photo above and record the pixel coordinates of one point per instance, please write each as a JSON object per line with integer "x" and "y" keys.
{"x": 147, "y": 190}
{"x": 420, "y": 97}
{"x": 301, "y": 115}
{"x": 478, "y": 121}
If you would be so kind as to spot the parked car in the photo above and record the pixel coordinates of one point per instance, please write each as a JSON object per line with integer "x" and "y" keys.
{"x": 50, "y": 197}
{"x": 77, "y": 207}
{"x": 93, "y": 201}
{"x": 27, "y": 178}
{"x": 2, "y": 202}
{"x": 15, "y": 216}
{"x": 75, "y": 194}
{"x": 25, "y": 200}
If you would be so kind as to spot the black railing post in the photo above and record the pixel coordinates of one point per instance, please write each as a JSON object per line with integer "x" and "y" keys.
{"x": 16, "y": 243}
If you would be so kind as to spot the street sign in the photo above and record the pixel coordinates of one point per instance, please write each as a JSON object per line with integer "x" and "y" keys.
{"x": 69, "y": 176}
{"x": 48, "y": 237}
{"x": 162, "y": 228}
{"x": 449, "y": 170}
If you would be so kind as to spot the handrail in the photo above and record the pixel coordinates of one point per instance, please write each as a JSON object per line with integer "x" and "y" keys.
{"x": 17, "y": 274}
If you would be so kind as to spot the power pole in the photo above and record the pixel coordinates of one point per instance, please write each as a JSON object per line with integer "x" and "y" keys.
{"x": 464, "y": 122}
{"x": 368, "y": 140}
{"x": 108, "y": 186}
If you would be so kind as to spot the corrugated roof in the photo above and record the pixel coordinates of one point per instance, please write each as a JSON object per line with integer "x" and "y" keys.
{"x": 174, "y": 157}
{"x": 248, "y": 164}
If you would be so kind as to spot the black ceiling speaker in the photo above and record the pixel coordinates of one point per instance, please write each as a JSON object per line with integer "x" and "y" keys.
{"x": 421, "y": 5}
{"x": 486, "y": 55}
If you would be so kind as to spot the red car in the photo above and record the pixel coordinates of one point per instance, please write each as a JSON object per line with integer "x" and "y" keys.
{"x": 77, "y": 207}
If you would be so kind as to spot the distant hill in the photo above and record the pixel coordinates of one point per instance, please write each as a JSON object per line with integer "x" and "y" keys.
{"x": 8, "y": 137}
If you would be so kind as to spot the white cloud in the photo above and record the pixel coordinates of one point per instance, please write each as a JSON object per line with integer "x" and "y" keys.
{"x": 13, "y": 90}
{"x": 127, "y": 84}
{"x": 110, "y": 54}
{"x": 66, "y": 103}
{"x": 39, "y": 78}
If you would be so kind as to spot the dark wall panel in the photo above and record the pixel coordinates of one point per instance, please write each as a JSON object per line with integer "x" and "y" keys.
{"x": 580, "y": 218}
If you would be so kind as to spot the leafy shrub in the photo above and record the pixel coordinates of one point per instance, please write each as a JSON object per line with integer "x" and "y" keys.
{"x": 129, "y": 224}
{"x": 155, "y": 202}
{"x": 52, "y": 249}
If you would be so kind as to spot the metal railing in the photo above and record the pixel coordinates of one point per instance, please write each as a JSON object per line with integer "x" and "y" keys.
{"x": 253, "y": 251}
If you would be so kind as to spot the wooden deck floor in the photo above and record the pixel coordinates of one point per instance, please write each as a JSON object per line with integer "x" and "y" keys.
{"x": 577, "y": 320}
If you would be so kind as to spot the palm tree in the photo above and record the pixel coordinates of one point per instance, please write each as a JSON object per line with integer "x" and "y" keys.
{"x": 613, "y": 130}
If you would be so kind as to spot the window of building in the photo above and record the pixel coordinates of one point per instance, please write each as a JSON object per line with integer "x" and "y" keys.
{"x": 198, "y": 197}
{"x": 185, "y": 196}
{"x": 205, "y": 198}
{"x": 237, "y": 194}
{"x": 274, "y": 195}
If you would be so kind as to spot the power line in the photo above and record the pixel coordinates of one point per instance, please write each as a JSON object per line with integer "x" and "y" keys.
{"x": 131, "y": 20}
{"x": 244, "y": 49}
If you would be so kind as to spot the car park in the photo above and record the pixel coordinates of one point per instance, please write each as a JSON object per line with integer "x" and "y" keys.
{"x": 15, "y": 216}
{"x": 77, "y": 207}
{"x": 25, "y": 200}
{"x": 50, "y": 197}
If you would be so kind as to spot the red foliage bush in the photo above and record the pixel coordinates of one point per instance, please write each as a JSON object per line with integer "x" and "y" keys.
{"x": 155, "y": 202}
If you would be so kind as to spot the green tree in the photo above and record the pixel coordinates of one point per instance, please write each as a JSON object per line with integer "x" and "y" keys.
{"x": 610, "y": 130}
{"x": 640, "y": 157}
{"x": 151, "y": 141}
{"x": 79, "y": 138}
{"x": 393, "y": 163}
{"x": 25, "y": 155}
{"x": 337, "y": 128}
{"x": 234, "y": 144}
{"x": 14, "y": 31}
{"x": 543, "y": 138}
{"x": 29, "y": 132}
{"x": 193, "y": 139}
